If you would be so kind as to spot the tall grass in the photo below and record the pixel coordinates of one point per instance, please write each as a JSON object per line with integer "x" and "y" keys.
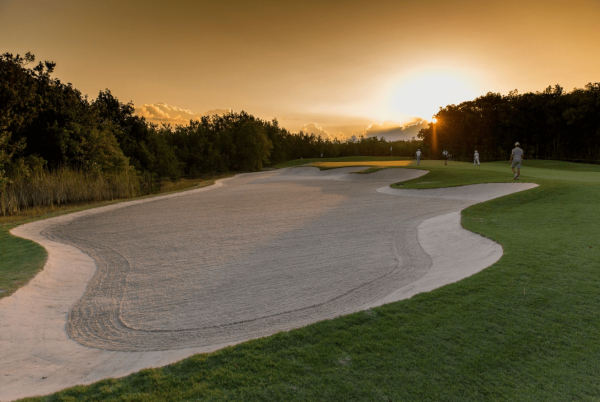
{"x": 44, "y": 188}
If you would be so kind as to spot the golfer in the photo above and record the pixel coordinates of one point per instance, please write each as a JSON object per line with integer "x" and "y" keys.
{"x": 445, "y": 155}
{"x": 476, "y": 161}
{"x": 418, "y": 156}
{"x": 516, "y": 157}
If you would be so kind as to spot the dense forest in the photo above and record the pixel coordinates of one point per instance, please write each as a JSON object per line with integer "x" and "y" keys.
{"x": 553, "y": 124}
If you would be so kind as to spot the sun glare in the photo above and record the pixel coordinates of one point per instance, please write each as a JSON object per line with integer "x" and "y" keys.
{"x": 422, "y": 94}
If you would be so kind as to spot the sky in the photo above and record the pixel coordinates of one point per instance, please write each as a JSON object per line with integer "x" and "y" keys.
{"x": 334, "y": 68}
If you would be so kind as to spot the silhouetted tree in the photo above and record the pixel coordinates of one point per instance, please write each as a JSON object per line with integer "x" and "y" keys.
{"x": 550, "y": 124}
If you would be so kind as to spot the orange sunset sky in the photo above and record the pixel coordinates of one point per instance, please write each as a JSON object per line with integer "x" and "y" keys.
{"x": 336, "y": 68}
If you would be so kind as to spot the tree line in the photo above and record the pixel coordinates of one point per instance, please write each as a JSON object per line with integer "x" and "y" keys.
{"x": 47, "y": 124}
{"x": 552, "y": 124}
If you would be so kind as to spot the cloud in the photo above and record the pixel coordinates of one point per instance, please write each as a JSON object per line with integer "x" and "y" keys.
{"x": 314, "y": 128}
{"x": 393, "y": 131}
{"x": 329, "y": 126}
{"x": 163, "y": 113}
{"x": 349, "y": 127}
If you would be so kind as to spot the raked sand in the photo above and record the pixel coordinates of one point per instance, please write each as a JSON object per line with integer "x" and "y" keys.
{"x": 148, "y": 282}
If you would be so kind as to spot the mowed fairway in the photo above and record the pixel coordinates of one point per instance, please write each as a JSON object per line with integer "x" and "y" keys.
{"x": 333, "y": 165}
{"x": 524, "y": 329}
{"x": 463, "y": 173}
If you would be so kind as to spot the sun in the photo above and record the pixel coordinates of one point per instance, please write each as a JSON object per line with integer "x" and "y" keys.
{"x": 422, "y": 94}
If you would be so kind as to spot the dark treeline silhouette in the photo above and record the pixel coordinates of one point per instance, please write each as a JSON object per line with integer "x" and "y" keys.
{"x": 552, "y": 124}
{"x": 241, "y": 142}
{"x": 46, "y": 124}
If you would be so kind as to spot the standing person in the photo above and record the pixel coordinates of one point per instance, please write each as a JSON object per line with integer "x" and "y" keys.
{"x": 476, "y": 161}
{"x": 445, "y": 155}
{"x": 418, "y": 156}
{"x": 516, "y": 158}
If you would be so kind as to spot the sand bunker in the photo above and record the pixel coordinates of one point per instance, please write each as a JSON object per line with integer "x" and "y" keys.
{"x": 163, "y": 278}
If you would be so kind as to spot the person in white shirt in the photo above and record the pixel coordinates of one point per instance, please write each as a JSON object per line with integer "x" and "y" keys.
{"x": 516, "y": 158}
{"x": 445, "y": 154}
{"x": 418, "y": 156}
{"x": 476, "y": 161}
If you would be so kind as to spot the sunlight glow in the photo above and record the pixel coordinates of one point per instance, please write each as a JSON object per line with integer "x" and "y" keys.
{"x": 423, "y": 93}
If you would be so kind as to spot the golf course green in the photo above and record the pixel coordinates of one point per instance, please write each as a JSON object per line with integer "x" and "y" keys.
{"x": 526, "y": 328}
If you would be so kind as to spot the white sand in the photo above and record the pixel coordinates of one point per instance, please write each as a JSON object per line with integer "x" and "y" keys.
{"x": 171, "y": 276}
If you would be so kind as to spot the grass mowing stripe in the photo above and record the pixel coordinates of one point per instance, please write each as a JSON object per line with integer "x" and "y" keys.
{"x": 381, "y": 164}
{"x": 526, "y": 328}
{"x": 298, "y": 162}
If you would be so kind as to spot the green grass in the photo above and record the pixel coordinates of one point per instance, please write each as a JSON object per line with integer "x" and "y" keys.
{"x": 21, "y": 259}
{"x": 455, "y": 174}
{"x": 298, "y": 162}
{"x": 525, "y": 329}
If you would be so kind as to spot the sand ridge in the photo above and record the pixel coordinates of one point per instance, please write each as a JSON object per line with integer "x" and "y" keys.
{"x": 191, "y": 272}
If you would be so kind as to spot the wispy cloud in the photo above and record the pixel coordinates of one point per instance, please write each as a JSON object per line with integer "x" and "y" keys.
{"x": 314, "y": 128}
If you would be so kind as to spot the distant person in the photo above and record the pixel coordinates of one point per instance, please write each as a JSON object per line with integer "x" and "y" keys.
{"x": 516, "y": 158}
{"x": 476, "y": 161}
{"x": 418, "y": 156}
{"x": 445, "y": 154}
